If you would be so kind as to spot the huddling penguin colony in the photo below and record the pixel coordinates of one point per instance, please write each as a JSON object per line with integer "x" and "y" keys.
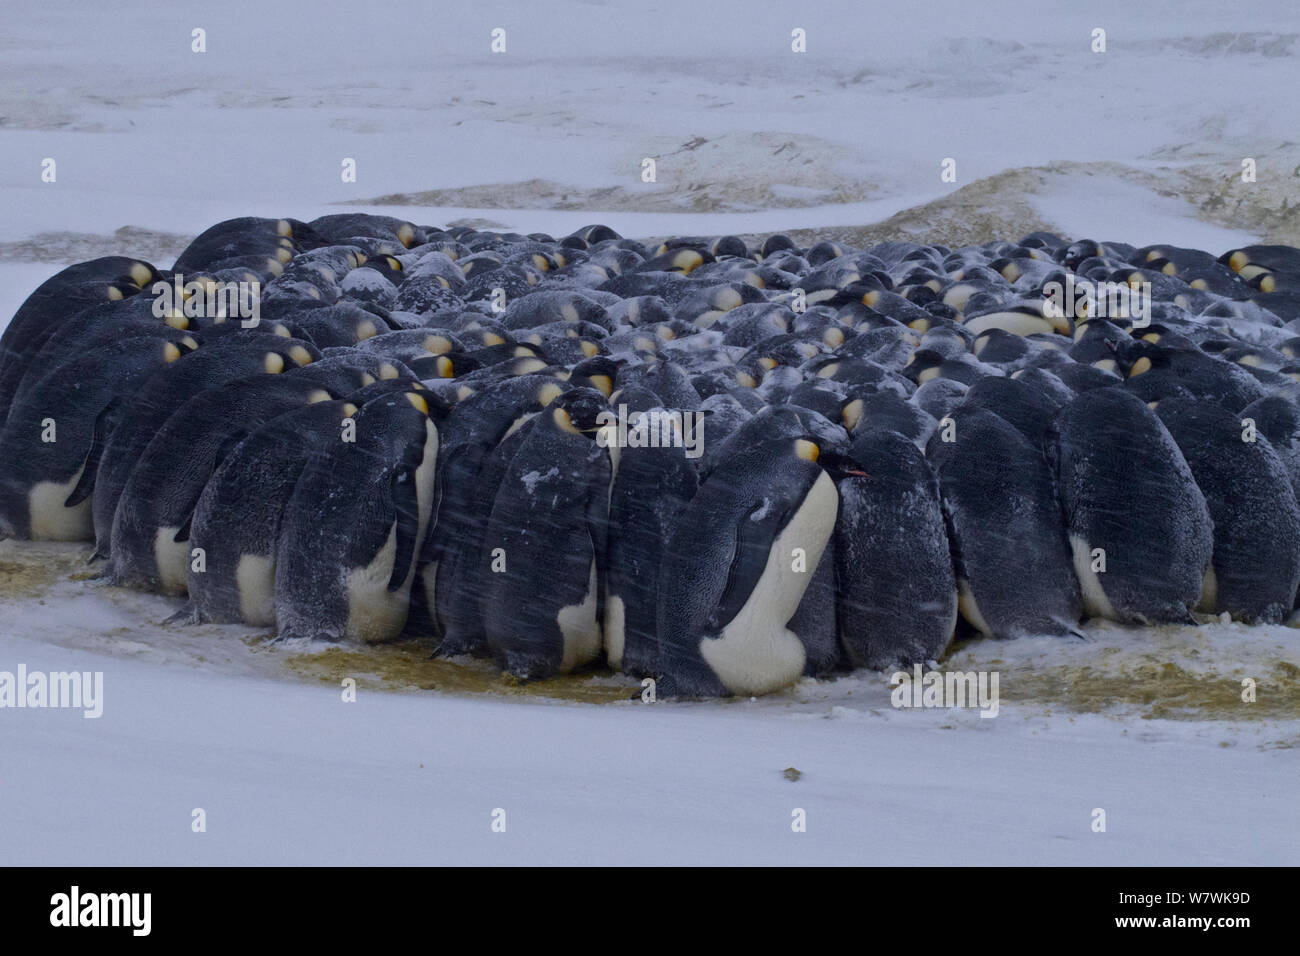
{"x": 719, "y": 465}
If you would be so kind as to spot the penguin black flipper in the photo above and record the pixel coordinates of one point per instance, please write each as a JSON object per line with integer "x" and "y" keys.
{"x": 228, "y": 446}
{"x": 748, "y": 560}
{"x": 98, "y": 438}
{"x": 405, "y": 504}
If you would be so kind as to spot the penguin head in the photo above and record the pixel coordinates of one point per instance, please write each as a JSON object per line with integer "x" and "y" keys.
{"x": 579, "y": 412}
{"x": 923, "y": 365}
{"x": 446, "y": 365}
{"x": 393, "y": 424}
{"x": 1076, "y": 252}
{"x": 599, "y": 372}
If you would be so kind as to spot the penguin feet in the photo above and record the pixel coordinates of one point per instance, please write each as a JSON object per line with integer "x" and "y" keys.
{"x": 188, "y": 614}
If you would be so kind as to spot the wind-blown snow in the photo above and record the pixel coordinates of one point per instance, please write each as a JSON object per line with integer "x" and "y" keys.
{"x": 154, "y": 143}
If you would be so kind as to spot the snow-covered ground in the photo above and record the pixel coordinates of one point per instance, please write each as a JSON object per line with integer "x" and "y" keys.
{"x": 153, "y": 142}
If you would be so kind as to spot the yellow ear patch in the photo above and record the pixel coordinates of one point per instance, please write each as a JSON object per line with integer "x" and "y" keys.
{"x": 273, "y": 363}
{"x": 177, "y": 321}
{"x": 1139, "y": 367}
{"x": 300, "y": 355}
{"x": 170, "y": 352}
{"x": 564, "y": 421}
{"x": 1237, "y": 261}
{"x": 417, "y": 401}
{"x": 140, "y": 273}
{"x": 852, "y": 414}
{"x": 807, "y": 450}
{"x": 445, "y": 367}
{"x": 768, "y": 362}
{"x": 189, "y": 343}
{"x": 548, "y": 393}
{"x": 283, "y": 228}
{"x": 366, "y": 330}
{"x": 318, "y": 396}
{"x": 367, "y": 379}
{"x": 283, "y": 254}
{"x": 387, "y": 371}
{"x": 406, "y": 234}
{"x": 491, "y": 338}
{"x": 687, "y": 260}
{"x": 604, "y": 384}
{"x": 590, "y": 349}
{"x": 437, "y": 344}
{"x": 115, "y": 294}
{"x": 869, "y": 299}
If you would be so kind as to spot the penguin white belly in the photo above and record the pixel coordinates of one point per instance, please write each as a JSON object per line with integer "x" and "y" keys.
{"x": 1209, "y": 602}
{"x": 970, "y": 610}
{"x": 756, "y": 653}
{"x": 1016, "y": 323}
{"x": 615, "y": 624}
{"x": 374, "y": 612}
{"x": 172, "y": 558}
{"x": 50, "y": 520}
{"x": 255, "y": 579}
{"x": 1095, "y": 602}
{"x": 425, "y": 476}
{"x": 580, "y": 628}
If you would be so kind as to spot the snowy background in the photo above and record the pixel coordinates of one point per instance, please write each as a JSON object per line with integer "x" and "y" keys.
{"x": 153, "y": 143}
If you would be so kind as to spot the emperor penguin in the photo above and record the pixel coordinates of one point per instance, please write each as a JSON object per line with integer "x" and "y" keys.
{"x": 736, "y": 567}
{"x": 354, "y": 525}
{"x": 157, "y": 398}
{"x": 52, "y": 443}
{"x": 474, "y": 429}
{"x": 896, "y": 590}
{"x": 60, "y": 298}
{"x": 1010, "y": 555}
{"x": 545, "y": 540}
{"x": 1139, "y": 529}
{"x": 238, "y": 517}
{"x": 151, "y": 549}
{"x": 1255, "y": 570}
